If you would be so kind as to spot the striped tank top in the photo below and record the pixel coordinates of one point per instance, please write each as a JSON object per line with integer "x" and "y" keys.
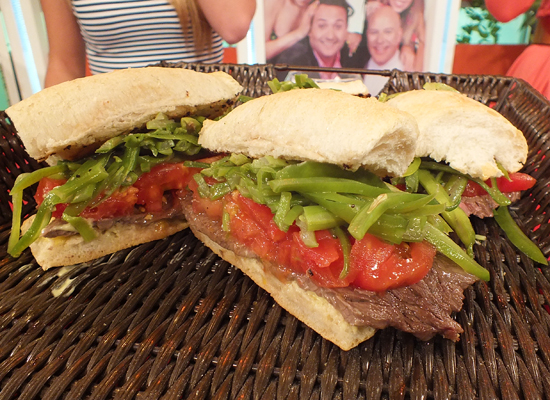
{"x": 135, "y": 33}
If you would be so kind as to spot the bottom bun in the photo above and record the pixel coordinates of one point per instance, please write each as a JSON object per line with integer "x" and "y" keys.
{"x": 68, "y": 250}
{"x": 314, "y": 311}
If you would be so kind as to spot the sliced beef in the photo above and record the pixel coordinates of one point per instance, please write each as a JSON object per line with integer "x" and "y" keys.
{"x": 483, "y": 206}
{"x": 423, "y": 309}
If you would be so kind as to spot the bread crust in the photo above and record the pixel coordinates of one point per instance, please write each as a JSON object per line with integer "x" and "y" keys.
{"x": 318, "y": 125}
{"x": 69, "y": 250}
{"x": 316, "y": 312}
{"x": 72, "y": 119}
{"x": 468, "y": 135}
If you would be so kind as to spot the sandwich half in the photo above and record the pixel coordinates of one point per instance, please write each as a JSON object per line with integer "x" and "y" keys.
{"x": 298, "y": 200}
{"x": 117, "y": 144}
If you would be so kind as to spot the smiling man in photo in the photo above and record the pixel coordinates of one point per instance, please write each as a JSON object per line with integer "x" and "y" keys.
{"x": 384, "y": 34}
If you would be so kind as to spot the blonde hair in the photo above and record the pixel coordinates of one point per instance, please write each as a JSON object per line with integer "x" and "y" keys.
{"x": 192, "y": 18}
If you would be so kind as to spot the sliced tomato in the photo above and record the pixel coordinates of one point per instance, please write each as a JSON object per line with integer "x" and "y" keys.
{"x": 160, "y": 179}
{"x": 44, "y": 187}
{"x": 261, "y": 214}
{"x": 518, "y": 181}
{"x": 323, "y": 263}
{"x": 379, "y": 266}
{"x": 119, "y": 204}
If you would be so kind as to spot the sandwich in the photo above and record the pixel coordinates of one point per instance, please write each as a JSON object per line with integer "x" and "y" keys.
{"x": 116, "y": 144}
{"x": 472, "y": 155}
{"x": 299, "y": 201}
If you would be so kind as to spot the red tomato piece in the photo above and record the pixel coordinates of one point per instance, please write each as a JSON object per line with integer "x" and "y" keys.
{"x": 261, "y": 214}
{"x": 379, "y": 266}
{"x": 119, "y": 204}
{"x": 44, "y": 187}
{"x": 253, "y": 235}
{"x": 518, "y": 181}
{"x": 160, "y": 179}
{"x": 323, "y": 263}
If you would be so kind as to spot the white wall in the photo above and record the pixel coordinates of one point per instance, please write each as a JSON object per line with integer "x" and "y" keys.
{"x": 26, "y": 37}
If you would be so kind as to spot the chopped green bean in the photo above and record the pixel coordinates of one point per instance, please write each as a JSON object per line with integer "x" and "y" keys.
{"x": 346, "y": 250}
{"x": 449, "y": 248}
{"x": 306, "y": 185}
{"x": 517, "y": 237}
{"x": 317, "y": 218}
{"x": 283, "y": 208}
{"x": 457, "y": 219}
{"x": 26, "y": 180}
{"x": 82, "y": 226}
{"x": 455, "y": 187}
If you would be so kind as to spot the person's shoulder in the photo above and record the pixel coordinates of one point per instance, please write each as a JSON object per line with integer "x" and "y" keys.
{"x": 299, "y": 54}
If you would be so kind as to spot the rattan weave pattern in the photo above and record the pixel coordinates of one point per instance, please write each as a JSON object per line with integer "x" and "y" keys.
{"x": 169, "y": 320}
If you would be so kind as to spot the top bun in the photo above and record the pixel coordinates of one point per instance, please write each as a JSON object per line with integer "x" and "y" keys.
{"x": 468, "y": 135}
{"x": 318, "y": 125}
{"x": 72, "y": 119}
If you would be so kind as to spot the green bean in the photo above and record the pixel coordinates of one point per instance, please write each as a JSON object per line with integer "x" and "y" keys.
{"x": 317, "y": 218}
{"x": 160, "y": 124}
{"x": 196, "y": 164}
{"x": 455, "y": 187}
{"x": 203, "y": 188}
{"x": 408, "y": 202}
{"x": 439, "y": 223}
{"x": 457, "y": 219}
{"x": 391, "y": 228}
{"x": 449, "y": 248}
{"x": 431, "y": 209}
{"x": 26, "y": 180}
{"x": 82, "y": 226}
{"x": 342, "y": 206}
{"x": 40, "y": 221}
{"x": 283, "y": 208}
{"x": 368, "y": 215}
{"x": 238, "y": 159}
{"x": 292, "y": 214}
{"x": 306, "y": 185}
{"x": 413, "y": 167}
{"x": 192, "y": 124}
{"x": 311, "y": 169}
{"x": 307, "y": 236}
{"x": 274, "y": 85}
{"x": 415, "y": 229}
{"x": 346, "y": 250}
{"x": 226, "y": 219}
{"x": 17, "y": 201}
{"x": 517, "y": 237}
{"x": 411, "y": 182}
{"x": 110, "y": 144}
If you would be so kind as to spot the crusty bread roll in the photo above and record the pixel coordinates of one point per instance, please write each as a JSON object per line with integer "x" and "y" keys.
{"x": 316, "y": 312}
{"x": 468, "y": 135}
{"x": 72, "y": 119}
{"x": 69, "y": 250}
{"x": 318, "y": 125}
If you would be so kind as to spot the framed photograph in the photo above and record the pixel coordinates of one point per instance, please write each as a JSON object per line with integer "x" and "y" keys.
{"x": 410, "y": 35}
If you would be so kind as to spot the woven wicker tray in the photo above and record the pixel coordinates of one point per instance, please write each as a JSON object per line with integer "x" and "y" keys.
{"x": 171, "y": 320}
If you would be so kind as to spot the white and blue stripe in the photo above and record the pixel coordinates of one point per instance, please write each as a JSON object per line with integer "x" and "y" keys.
{"x": 136, "y": 33}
